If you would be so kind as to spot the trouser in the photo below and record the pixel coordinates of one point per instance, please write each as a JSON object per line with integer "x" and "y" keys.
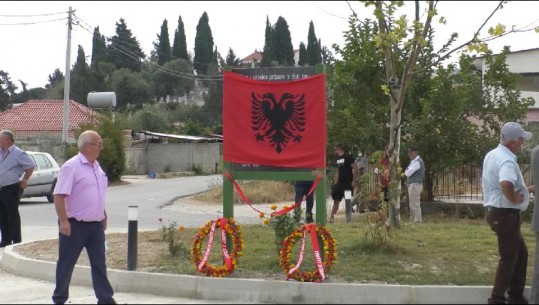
{"x": 511, "y": 271}
{"x": 302, "y": 191}
{"x": 89, "y": 235}
{"x": 10, "y": 219}
{"x": 414, "y": 199}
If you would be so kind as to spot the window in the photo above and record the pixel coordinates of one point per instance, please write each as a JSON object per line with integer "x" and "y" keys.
{"x": 42, "y": 162}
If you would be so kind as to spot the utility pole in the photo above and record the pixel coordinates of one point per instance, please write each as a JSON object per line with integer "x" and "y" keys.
{"x": 66, "y": 80}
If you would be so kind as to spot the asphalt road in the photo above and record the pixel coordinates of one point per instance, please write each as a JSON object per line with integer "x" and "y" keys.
{"x": 39, "y": 221}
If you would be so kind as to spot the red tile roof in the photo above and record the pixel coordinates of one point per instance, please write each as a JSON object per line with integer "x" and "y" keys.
{"x": 253, "y": 56}
{"x": 38, "y": 116}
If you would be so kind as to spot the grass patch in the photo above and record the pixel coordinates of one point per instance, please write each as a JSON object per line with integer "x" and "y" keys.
{"x": 440, "y": 251}
{"x": 255, "y": 190}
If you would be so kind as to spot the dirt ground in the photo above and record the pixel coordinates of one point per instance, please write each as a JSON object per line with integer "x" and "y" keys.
{"x": 148, "y": 242}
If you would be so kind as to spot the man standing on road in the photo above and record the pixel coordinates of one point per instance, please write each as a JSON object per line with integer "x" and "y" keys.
{"x": 414, "y": 173}
{"x": 80, "y": 198}
{"x": 14, "y": 162}
{"x": 505, "y": 195}
{"x": 345, "y": 178}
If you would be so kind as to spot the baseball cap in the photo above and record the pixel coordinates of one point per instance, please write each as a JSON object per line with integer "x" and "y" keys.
{"x": 413, "y": 148}
{"x": 513, "y": 130}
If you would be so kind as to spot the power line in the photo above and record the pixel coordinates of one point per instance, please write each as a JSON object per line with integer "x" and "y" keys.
{"x": 35, "y": 22}
{"x": 37, "y": 15}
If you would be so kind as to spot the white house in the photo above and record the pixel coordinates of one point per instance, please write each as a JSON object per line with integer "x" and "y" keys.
{"x": 526, "y": 64}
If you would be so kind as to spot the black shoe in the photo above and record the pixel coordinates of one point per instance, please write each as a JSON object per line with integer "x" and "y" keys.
{"x": 517, "y": 300}
{"x": 111, "y": 301}
{"x": 3, "y": 244}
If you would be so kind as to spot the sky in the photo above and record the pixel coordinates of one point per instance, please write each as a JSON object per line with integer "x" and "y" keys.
{"x": 34, "y": 33}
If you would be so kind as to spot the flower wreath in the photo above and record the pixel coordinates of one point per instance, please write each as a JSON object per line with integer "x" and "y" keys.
{"x": 229, "y": 228}
{"x": 322, "y": 266}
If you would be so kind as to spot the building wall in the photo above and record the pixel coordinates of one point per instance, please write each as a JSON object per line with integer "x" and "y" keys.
{"x": 159, "y": 158}
{"x": 182, "y": 157}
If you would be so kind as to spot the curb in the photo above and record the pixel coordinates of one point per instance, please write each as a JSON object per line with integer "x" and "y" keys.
{"x": 252, "y": 290}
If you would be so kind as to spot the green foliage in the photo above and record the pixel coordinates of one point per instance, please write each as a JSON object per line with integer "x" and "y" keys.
{"x": 231, "y": 59}
{"x": 130, "y": 87}
{"x": 162, "y": 47}
{"x": 314, "y": 51}
{"x": 175, "y": 79}
{"x": 203, "y": 46}
{"x": 123, "y": 47}
{"x": 112, "y": 157}
{"x": 153, "y": 117}
{"x": 179, "y": 47}
{"x": 283, "y": 225}
{"x": 171, "y": 234}
{"x": 81, "y": 79}
{"x": 197, "y": 169}
{"x": 303, "y": 59}
{"x": 284, "y": 50}
{"x": 99, "y": 49}
{"x": 360, "y": 112}
{"x": 269, "y": 46}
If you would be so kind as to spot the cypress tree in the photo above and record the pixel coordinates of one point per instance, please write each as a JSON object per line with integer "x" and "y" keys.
{"x": 283, "y": 43}
{"x": 303, "y": 60}
{"x": 231, "y": 59}
{"x": 99, "y": 49}
{"x": 162, "y": 48}
{"x": 314, "y": 52}
{"x": 179, "y": 47}
{"x": 268, "y": 54}
{"x": 81, "y": 78}
{"x": 203, "y": 46}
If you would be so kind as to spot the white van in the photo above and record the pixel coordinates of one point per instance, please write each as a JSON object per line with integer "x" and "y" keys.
{"x": 44, "y": 177}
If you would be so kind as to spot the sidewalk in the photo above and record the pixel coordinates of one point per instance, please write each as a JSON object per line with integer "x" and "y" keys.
{"x": 31, "y": 281}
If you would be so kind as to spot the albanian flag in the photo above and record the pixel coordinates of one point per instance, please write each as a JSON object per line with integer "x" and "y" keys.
{"x": 274, "y": 123}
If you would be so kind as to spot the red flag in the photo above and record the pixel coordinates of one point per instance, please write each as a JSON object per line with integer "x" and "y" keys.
{"x": 274, "y": 123}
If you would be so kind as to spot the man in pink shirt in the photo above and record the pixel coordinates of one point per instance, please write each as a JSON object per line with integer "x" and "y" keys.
{"x": 79, "y": 198}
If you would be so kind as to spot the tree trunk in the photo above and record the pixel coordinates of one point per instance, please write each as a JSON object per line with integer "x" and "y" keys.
{"x": 394, "y": 144}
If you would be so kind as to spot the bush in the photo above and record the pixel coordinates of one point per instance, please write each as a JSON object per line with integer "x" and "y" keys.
{"x": 112, "y": 157}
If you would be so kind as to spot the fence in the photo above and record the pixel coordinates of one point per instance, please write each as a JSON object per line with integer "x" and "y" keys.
{"x": 452, "y": 185}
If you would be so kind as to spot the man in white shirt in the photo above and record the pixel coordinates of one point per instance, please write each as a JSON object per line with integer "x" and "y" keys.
{"x": 414, "y": 174}
{"x": 505, "y": 195}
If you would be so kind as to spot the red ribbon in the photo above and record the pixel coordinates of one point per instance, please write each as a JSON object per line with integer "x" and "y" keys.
{"x": 316, "y": 252}
{"x": 228, "y": 261}
{"x": 276, "y": 213}
{"x": 208, "y": 248}
{"x": 226, "y": 256}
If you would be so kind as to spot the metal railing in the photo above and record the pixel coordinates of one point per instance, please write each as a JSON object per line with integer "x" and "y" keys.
{"x": 452, "y": 185}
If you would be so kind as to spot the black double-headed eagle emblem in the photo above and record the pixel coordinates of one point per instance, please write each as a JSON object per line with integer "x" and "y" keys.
{"x": 278, "y": 122}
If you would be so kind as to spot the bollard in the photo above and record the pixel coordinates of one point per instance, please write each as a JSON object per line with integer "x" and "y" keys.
{"x": 132, "y": 217}
{"x": 348, "y": 205}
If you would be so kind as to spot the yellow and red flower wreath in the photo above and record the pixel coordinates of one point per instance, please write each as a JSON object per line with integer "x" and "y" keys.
{"x": 330, "y": 254}
{"x": 232, "y": 230}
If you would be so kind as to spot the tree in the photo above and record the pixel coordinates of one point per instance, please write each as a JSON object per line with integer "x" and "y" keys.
{"x": 203, "y": 46}
{"x": 358, "y": 116}
{"x": 55, "y": 77}
{"x": 81, "y": 79}
{"x": 130, "y": 87}
{"x": 231, "y": 59}
{"x": 213, "y": 101}
{"x": 7, "y": 89}
{"x": 99, "y": 49}
{"x": 124, "y": 49}
{"x": 303, "y": 58}
{"x": 268, "y": 53}
{"x": 179, "y": 47}
{"x": 439, "y": 121}
{"x": 314, "y": 51}
{"x": 401, "y": 43}
{"x": 176, "y": 78}
{"x": 327, "y": 57}
{"x": 284, "y": 50}
{"x": 162, "y": 49}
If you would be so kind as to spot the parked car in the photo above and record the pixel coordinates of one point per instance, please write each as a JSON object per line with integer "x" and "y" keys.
{"x": 43, "y": 179}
